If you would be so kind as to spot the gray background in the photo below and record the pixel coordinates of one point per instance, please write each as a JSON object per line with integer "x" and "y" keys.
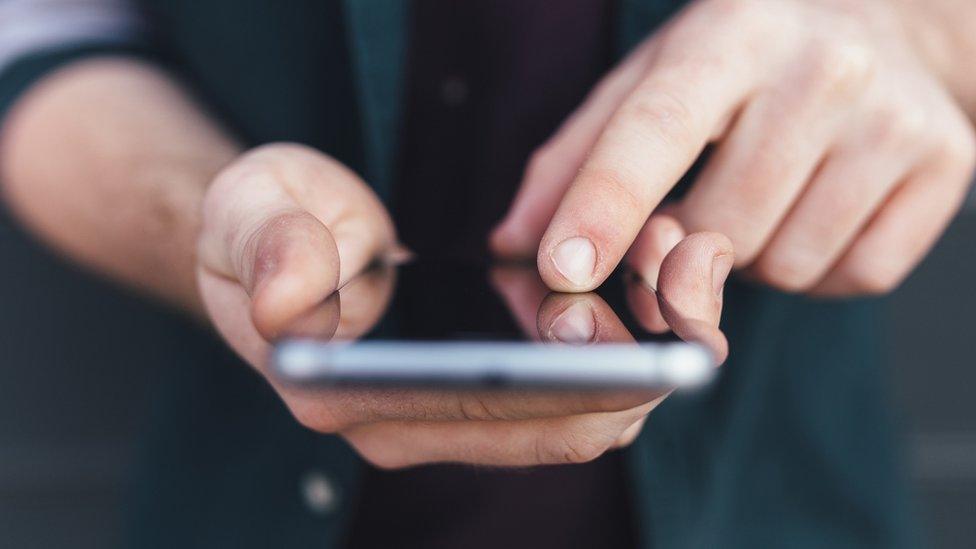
{"x": 65, "y": 448}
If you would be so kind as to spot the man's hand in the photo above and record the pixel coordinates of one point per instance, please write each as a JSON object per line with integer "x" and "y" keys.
{"x": 283, "y": 227}
{"x": 403, "y": 427}
{"x": 523, "y": 428}
{"x": 840, "y": 155}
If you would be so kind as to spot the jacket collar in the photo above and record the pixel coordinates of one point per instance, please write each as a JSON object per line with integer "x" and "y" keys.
{"x": 377, "y": 32}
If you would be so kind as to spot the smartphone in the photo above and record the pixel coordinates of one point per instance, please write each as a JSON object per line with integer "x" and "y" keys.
{"x": 466, "y": 325}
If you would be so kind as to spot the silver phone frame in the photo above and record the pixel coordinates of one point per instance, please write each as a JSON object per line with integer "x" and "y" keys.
{"x": 493, "y": 364}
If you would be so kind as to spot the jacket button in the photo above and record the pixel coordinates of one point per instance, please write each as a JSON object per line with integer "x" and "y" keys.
{"x": 319, "y": 493}
{"x": 454, "y": 91}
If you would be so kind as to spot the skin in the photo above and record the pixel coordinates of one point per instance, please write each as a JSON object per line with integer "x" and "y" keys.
{"x": 842, "y": 150}
{"x": 395, "y": 428}
{"x": 841, "y": 147}
{"x": 257, "y": 243}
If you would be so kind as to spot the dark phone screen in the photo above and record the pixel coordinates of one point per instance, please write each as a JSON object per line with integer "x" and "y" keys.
{"x": 451, "y": 300}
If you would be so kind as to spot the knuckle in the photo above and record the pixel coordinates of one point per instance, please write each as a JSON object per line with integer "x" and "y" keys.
{"x": 844, "y": 202}
{"x": 474, "y": 407}
{"x": 871, "y": 277}
{"x": 252, "y": 170}
{"x": 570, "y": 447}
{"x": 614, "y": 184}
{"x": 899, "y": 128}
{"x": 290, "y": 165}
{"x": 777, "y": 156}
{"x": 842, "y": 67}
{"x": 959, "y": 148}
{"x": 662, "y": 115}
{"x": 787, "y": 274}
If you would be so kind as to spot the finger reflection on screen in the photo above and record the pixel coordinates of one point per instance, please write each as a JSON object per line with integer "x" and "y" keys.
{"x": 351, "y": 312}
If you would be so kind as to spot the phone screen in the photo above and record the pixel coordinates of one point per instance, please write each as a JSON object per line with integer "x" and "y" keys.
{"x": 439, "y": 322}
{"x": 451, "y": 300}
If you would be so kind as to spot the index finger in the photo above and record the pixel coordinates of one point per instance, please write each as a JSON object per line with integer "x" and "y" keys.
{"x": 649, "y": 143}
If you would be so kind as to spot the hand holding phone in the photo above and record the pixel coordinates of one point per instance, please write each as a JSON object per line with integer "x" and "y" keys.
{"x": 396, "y": 426}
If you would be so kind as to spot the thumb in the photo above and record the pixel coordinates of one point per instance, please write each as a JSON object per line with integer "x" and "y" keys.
{"x": 290, "y": 225}
{"x": 286, "y": 260}
{"x": 690, "y": 285}
{"x": 289, "y": 265}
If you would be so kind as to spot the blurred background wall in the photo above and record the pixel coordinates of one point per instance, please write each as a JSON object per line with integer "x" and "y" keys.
{"x": 67, "y": 434}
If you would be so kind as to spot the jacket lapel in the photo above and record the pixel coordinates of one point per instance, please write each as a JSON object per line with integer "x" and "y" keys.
{"x": 377, "y": 34}
{"x": 378, "y": 42}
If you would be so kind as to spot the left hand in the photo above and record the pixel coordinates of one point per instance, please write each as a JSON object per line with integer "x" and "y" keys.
{"x": 840, "y": 154}
{"x": 402, "y": 427}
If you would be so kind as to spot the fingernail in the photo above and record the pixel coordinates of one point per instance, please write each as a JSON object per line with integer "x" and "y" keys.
{"x": 575, "y": 259}
{"x": 574, "y": 325}
{"x": 721, "y": 266}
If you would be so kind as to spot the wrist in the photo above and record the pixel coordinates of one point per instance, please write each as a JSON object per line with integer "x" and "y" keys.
{"x": 172, "y": 228}
{"x": 107, "y": 160}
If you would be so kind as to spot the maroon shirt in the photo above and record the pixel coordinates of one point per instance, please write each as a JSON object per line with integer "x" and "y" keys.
{"x": 488, "y": 82}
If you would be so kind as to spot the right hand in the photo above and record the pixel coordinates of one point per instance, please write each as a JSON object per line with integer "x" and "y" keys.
{"x": 407, "y": 427}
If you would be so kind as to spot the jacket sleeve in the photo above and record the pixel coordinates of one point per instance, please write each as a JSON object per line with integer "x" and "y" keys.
{"x": 38, "y": 36}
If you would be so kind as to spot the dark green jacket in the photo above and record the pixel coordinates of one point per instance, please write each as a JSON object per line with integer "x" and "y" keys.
{"x": 792, "y": 448}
